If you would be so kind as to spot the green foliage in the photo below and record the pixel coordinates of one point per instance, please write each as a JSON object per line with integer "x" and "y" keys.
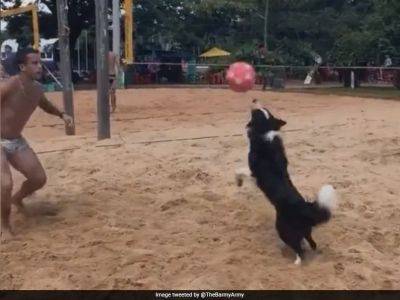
{"x": 344, "y": 32}
{"x": 81, "y": 15}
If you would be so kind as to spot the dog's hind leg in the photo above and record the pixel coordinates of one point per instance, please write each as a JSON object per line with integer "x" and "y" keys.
{"x": 291, "y": 238}
{"x": 310, "y": 240}
{"x": 296, "y": 246}
{"x": 298, "y": 260}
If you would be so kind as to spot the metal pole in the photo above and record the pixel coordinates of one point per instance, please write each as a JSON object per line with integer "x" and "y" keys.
{"x": 116, "y": 28}
{"x": 86, "y": 47}
{"x": 79, "y": 54}
{"x": 65, "y": 62}
{"x": 103, "y": 107}
{"x": 266, "y": 24}
{"x": 52, "y": 76}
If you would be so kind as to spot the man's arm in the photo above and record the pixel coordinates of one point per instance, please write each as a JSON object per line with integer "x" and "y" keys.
{"x": 6, "y": 88}
{"x": 49, "y": 107}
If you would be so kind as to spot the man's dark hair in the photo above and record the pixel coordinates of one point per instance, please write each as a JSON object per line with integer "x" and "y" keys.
{"x": 20, "y": 58}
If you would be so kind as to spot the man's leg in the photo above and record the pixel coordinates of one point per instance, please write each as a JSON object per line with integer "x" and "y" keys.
{"x": 26, "y": 162}
{"x": 113, "y": 97}
{"x": 113, "y": 100}
{"x": 6, "y": 190}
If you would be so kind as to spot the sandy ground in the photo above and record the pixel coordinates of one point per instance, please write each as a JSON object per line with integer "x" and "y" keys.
{"x": 156, "y": 206}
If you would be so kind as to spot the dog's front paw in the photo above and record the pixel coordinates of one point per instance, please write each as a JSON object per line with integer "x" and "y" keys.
{"x": 239, "y": 179}
{"x": 240, "y": 175}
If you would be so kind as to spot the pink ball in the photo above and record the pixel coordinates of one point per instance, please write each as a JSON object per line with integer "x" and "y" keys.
{"x": 241, "y": 77}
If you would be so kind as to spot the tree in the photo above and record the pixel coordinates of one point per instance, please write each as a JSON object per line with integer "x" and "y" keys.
{"x": 343, "y": 32}
{"x": 81, "y": 14}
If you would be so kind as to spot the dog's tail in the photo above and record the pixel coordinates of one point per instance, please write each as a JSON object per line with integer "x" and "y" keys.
{"x": 325, "y": 204}
{"x": 327, "y": 197}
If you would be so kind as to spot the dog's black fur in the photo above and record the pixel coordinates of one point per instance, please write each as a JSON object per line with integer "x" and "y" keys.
{"x": 268, "y": 165}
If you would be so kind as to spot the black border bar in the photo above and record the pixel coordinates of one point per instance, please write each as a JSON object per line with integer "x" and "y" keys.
{"x": 200, "y": 294}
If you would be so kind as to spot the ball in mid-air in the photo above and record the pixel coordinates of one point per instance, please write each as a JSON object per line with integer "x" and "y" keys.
{"x": 241, "y": 77}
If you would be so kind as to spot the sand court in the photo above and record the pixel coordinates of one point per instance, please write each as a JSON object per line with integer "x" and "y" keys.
{"x": 156, "y": 206}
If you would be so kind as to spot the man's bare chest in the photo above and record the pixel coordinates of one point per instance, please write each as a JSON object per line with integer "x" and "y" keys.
{"x": 23, "y": 102}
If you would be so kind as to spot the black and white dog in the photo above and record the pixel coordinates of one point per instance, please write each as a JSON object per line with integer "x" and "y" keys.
{"x": 268, "y": 164}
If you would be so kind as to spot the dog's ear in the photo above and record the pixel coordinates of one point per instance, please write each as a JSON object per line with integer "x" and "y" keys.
{"x": 255, "y": 104}
{"x": 279, "y": 123}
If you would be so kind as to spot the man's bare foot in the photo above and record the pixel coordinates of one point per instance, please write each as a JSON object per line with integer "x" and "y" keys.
{"x": 6, "y": 233}
{"x": 19, "y": 205}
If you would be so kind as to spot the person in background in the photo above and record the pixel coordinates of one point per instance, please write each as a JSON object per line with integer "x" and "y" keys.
{"x": 113, "y": 65}
{"x": 388, "y": 61}
{"x": 8, "y": 61}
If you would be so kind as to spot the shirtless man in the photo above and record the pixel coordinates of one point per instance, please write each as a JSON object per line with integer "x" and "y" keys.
{"x": 113, "y": 65}
{"x": 20, "y": 95}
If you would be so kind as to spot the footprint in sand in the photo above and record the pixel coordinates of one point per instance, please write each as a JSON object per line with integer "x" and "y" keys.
{"x": 203, "y": 177}
{"x": 173, "y": 203}
{"x": 377, "y": 240}
{"x": 339, "y": 268}
{"x": 211, "y": 196}
{"x": 387, "y": 285}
